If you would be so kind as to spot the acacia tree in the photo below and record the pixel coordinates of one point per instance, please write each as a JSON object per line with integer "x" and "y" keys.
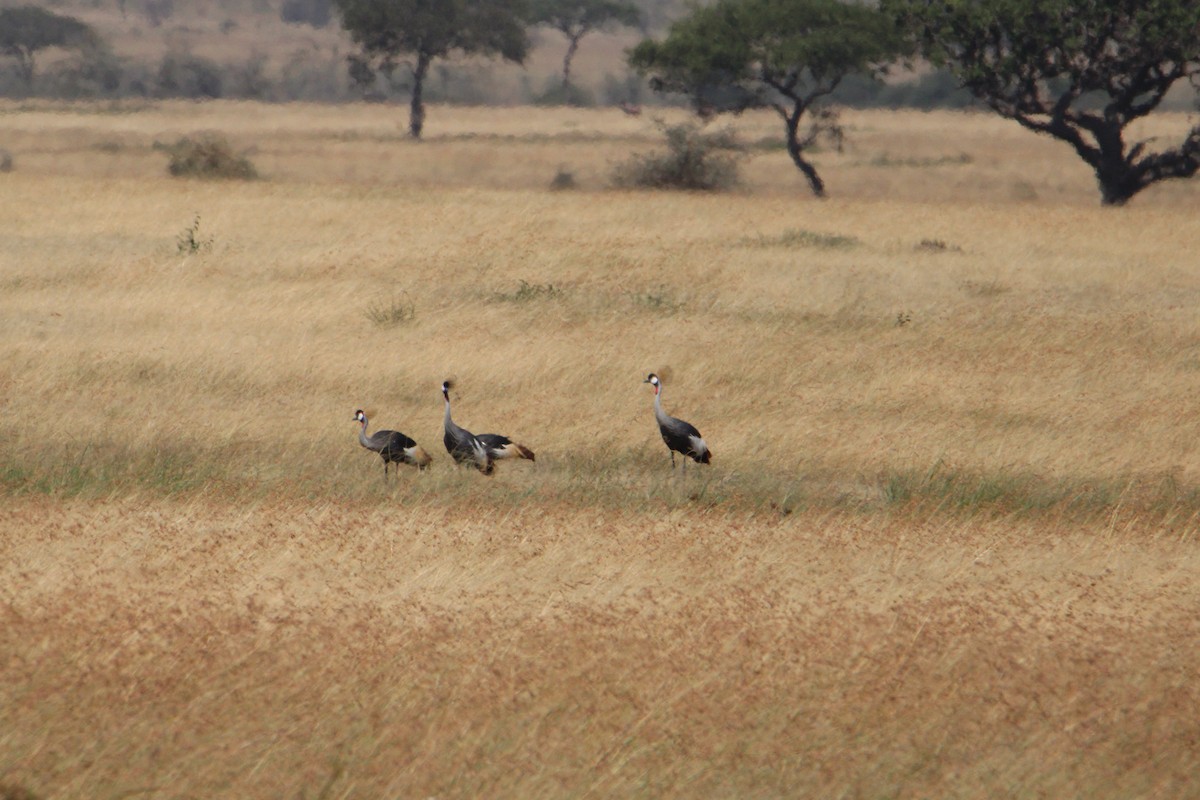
{"x": 421, "y": 31}
{"x": 787, "y": 55}
{"x": 1078, "y": 70}
{"x": 25, "y": 30}
{"x": 575, "y": 19}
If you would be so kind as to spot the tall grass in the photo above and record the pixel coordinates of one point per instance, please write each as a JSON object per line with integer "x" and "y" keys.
{"x": 946, "y": 546}
{"x": 1034, "y": 360}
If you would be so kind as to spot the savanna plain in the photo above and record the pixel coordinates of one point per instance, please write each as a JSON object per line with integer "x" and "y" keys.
{"x": 947, "y": 546}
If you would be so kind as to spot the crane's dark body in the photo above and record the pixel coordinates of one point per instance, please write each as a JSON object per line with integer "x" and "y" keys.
{"x": 462, "y": 445}
{"x": 393, "y": 447}
{"x": 481, "y": 451}
{"x": 465, "y": 448}
{"x": 679, "y": 436}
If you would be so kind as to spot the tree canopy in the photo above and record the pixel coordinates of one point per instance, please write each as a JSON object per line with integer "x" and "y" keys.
{"x": 577, "y": 18}
{"x": 25, "y": 30}
{"x": 787, "y": 55}
{"x": 421, "y": 31}
{"x": 1078, "y": 70}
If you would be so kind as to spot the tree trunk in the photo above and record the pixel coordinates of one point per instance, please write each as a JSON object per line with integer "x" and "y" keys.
{"x": 572, "y": 46}
{"x": 25, "y": 67}
{"x": 1119, "y": 179}
{"x": 416, "y": 112}
{"x": 1117, "y": 187}
{"x": 796, "y": 151}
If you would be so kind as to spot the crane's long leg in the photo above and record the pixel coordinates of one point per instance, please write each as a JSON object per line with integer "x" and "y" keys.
{"x": 672, "y": 452}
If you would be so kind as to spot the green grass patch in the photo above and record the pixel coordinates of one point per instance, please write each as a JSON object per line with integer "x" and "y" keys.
{"x": 888, "y": 160}
{"x": 1018, "y": 491}
{"x": 100, "y": 468}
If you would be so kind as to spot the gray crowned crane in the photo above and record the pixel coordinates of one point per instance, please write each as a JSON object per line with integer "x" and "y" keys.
{"x": 393, "y": 447}
{"x": 681, "y": 437}
{"x": 483, "y": 450}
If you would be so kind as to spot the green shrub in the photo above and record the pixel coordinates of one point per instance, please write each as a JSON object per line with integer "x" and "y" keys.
{"x": 556, "y": 94}
{"x": 694, "y": 160}
{"x": 208, "y": 156}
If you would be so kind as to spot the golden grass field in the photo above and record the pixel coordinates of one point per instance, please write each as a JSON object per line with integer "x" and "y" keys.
{"x": 946, "y": 547}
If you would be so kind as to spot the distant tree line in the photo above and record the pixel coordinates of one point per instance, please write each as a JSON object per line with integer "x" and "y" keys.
{"x": 1080, "y": 72}
{"x": 59, "y": 56}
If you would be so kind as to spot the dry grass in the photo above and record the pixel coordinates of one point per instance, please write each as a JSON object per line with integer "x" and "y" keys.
{"x": 185, "y": 650}
{"x": 946, "y": 546}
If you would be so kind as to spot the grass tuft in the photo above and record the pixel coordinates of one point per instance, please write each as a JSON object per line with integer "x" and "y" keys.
{"x": 389, "y": 312}
{"x": 189, "y": 242}
{"x": 527, "y": 292}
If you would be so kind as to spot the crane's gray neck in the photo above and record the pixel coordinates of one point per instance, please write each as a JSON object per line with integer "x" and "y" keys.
{"x": 658, "y": 409}
{"x": 450, "y": 426}
{"x": 362, "y": 434}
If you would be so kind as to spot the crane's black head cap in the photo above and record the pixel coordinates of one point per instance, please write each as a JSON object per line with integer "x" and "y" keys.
{"x": 447, "y": 386}
{"x": 651, "y": 378}
{"x": 358, "y": 415}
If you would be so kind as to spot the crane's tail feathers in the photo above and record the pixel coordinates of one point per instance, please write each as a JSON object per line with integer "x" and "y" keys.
{"x": 518, "y": 451}
{"x": 418, "y": 456}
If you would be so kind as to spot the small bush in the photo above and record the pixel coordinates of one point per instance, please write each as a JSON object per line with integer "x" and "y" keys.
{"x": 563, "y": 179}
{"x": 693, "y": 161}
{"x": 186, "y": 75}
{"x": 209, "y": 156}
